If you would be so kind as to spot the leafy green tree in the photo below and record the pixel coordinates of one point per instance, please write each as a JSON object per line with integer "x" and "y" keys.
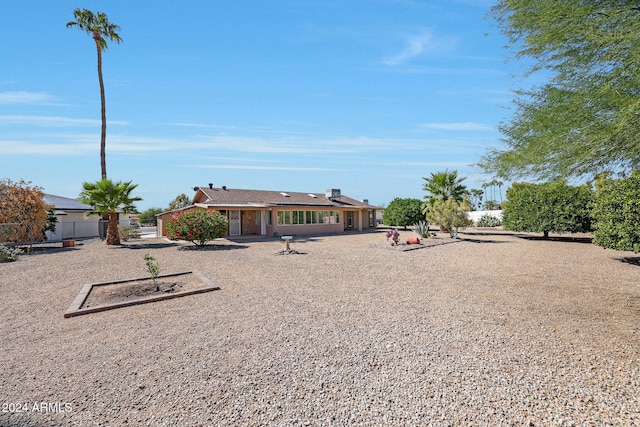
{"x": 107, "y": 197}
{"x": 449, "y": 214}
{"x": 402, "y": 212}
{"x": 98, "y": 27}
{"x": 198, "y": 226}
{"x": 551, "y": 207}
{"x": 181, "y": 201}
{"x": 616, "y": 213}
{"x": 444, "y": 185}
{"x": 583, "y": 120}
{"x": 149, "y": 216}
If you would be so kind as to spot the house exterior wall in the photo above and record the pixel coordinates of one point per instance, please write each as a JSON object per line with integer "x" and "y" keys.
{"x": 74, "y": 225}
{"x": 251, "y": 220}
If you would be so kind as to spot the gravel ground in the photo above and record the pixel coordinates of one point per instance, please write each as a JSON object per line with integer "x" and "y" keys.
{"x": 496, "y": 329}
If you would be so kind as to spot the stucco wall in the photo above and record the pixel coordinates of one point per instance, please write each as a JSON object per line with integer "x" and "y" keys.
{"x": 475, "y": 215}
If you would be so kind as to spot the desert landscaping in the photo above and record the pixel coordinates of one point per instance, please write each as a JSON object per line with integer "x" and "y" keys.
{"x": 498, "y": 328}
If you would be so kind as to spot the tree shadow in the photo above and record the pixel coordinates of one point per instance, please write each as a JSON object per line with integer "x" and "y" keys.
{"x": 150, "y": 245}
{"x": 463, "y": 239}
{"x": 633, "y": 260}
{"x": 567, "y": 239}
{"x": 214, "y": 247}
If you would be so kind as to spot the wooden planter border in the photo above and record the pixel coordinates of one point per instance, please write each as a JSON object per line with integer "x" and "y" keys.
{"x": 75, "y": 310}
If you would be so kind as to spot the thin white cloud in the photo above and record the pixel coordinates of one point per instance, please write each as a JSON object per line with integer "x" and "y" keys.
{"x": 51, "y": 121}
{"x": 81, "y": 143}
{"x": 22, "y": 97}
{"x": 46, "y": 149}
{"x": 419, "y": 44}
{"x": 458, "y": 126}
{"x": 268, "y": 168}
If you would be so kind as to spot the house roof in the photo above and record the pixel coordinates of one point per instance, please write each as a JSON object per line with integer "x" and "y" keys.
{"x": 232, "y": 197}
{"x": 66, "y": 204}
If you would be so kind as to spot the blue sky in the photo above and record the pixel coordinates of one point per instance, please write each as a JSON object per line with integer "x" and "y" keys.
{"x": 289, "y": 95}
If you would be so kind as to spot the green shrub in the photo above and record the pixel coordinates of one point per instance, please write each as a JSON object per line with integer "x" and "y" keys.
{"x": 197, "y": 226}
{"x": 9, "y": 254}
{"x": 616, "y": 213}
{"x": 487, "y": 220}
{"x": 402, "y": 212}
{"x": 551, "y": 207}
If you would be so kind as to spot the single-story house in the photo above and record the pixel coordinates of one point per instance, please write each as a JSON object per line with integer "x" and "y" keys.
{"x": 72, "y": 220}
{"x": 268, "y": 213}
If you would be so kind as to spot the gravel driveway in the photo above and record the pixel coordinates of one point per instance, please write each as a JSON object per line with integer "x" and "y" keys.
{"x": 497, "y": 329}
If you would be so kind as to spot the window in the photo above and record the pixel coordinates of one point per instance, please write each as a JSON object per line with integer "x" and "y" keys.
{"x": 334, "y": 217}
{"x": 284, "y": 217}
{"x": 308, "y": 217}
{"x": 312, "y": 217}
{"x": 258, "y": 217}
{"x": 298, "y": 217}
{"x": 269, "y": 219}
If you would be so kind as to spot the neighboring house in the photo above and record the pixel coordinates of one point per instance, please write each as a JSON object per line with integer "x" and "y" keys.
{"x": 267, "y": 213}
{"x": 72, "y": 220}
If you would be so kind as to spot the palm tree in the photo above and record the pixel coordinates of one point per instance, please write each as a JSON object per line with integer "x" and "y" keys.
{"x": 107, "y": 197}
{"x": 98, "y": 26}
{"x": 444, "y": 185}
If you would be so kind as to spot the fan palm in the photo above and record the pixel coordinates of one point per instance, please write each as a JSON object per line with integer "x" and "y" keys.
{"x": 98, "y": 26}
{"x": 444, "y": 185}
{"x": 107, "y": 197}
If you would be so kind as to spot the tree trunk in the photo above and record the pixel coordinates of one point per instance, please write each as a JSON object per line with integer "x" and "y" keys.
{"x": 103, "y": 107}
{"x": 113, "y": 236}
{"x": 546, "y": 234}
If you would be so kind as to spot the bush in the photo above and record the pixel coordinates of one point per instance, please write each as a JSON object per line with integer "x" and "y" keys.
{"x": 128, "y": 232}
{"x": 616, "y": 213}
{"x": 402, "y": 212}
{"x": 23, "y": 206}
{"x": 551, "y": 207}
{"x": 449, "y": 214}
{"x": 9, "y": 254}
{"x": 487, "y": 220}
{"x": 197, "y": 226}
{"x": 421, "y": 228}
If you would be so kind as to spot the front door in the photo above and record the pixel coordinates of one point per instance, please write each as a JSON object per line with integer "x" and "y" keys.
{"x": 349, "y": 219}
{"x": 234, "y": 223}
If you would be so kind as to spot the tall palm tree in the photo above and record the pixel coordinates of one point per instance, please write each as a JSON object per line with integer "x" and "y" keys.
{"x": 107, "y": 197}
{"x": 98, "y": 26}
{"x": 444, "y": 185}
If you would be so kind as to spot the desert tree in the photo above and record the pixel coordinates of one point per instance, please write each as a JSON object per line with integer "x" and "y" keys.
{"x": 181, "y": 201}
{"x": 97, "y": 25}
{"x": 582, "y": 120}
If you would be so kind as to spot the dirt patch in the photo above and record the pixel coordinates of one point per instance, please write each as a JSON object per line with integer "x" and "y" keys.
{"x": 109, "y": 295}
{"x": 121, "y": 292}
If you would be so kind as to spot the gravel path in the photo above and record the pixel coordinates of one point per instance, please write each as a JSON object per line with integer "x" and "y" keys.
{"x": 496, "y": 329}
